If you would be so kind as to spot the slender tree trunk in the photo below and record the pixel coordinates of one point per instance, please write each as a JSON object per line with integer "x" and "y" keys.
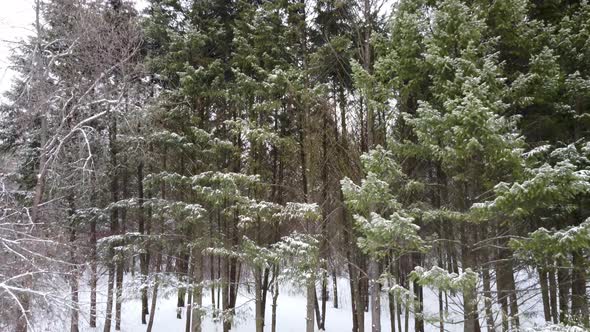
{"x": 487, "y": 293}
{"x": 375, "y": 289}
{"x": 334, "y": 289}
{"x": 407, "y": 314}
{"x": 114, "y": 217}
{"x": 93, "y": 273}
{"x": 563, "y": 282}
{"x": 309, "y": 326}
{"x": 110, "y": 286}
{"x": 514, "y": 316}
{"x": 197, "y": 315}
{"x": 419, "y": 295}
{"x": 579, "y": 295}
{"x": 119, "y": 293}
{"x": 275, "y": 297}
{"x": 189, "y": 295}
{"x": 258, "y": 299}
{"x": 189, "y": 307}
{"x": 212, "y": 275}
{"x": 75, "y": 310}
{"x": 545, "y": 293}
{"x": 391, "y": 311}
{"x": 143, "y": 262}
{"x": 265, "y": 287}
{"x": 352, "y": 275}
{"x": 553, "y": 295}
{"x": 469, "y": 294}
{"x": 441, "y": 315}
{"x": 154, "y": 293}
{"x": 225, "y": 293}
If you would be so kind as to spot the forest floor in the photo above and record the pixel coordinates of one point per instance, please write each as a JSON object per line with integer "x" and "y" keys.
{"x": 290, "y": 310}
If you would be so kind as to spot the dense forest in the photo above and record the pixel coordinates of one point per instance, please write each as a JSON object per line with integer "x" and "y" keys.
{"x": 201, "y": 150}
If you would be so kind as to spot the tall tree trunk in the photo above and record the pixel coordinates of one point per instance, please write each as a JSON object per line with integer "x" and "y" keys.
{"x": 114, "y": 217}
{"x": 375, "y": 289}
{"x": 563, "y": 282}
{"x": 275, "y": 297}
{"x": 579, "y": 296}
{"x": 75, "y": 306}
{"x": 155, "y": 293}
{"x": 471, "y": 323}
{"x": 258, "y": 299}
{"x": 553, "y": 294}
{"x": 212, "y": 277}
{"x": 143, "y": 261}
{"x": 391, "y": 311}
{"x": 514, "y": 316}
{"x": 189, "y": 295}
{"x": 225, "y": 293}
{"x": 419, "y": 295}
{"x": 197, "y": 304}
{"x": 487, "y": 293}
{"x": 545, "y": 293}
{"x": 334, "y": 289}
{"x": 93, "y": 273}
{"x": 110, "y": 286}
{"x": 310, "y": 294}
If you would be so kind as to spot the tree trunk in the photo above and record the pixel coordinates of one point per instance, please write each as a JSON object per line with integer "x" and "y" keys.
{"x": 309, "y": 319}
{"x": 110, "y": 285}
{"x": 544, "y": 293}
{"x": 225, "y": 293}
{"x": 419, "y": 295}
{"x": 93, "y": 273}
{"x": 114, "y": 217}
{"x": 553, "y": 295}
{"x": 196, "y": 305}
{"x": 154, "y": 294}
{"x": 258, "y": 299}
{"x": 334, "y": 289}
{"x": 487, "y": 293}
{"x": 75, "y": 306}
{"x": 471, "y": 323}
{"x": 275, "y": 297}
{"x": 579, "y": 296}
{"x": 375, "y": 289}
{"x": 391, "y": 311}
{"x": 143, "y": 261}
{"x": 212, "y": 277}
{"x": 189, "y": 308}
{"x": 563, "y": 282}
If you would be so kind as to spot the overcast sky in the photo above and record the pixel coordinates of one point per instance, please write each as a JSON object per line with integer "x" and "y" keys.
{"x": 16, "y": 22}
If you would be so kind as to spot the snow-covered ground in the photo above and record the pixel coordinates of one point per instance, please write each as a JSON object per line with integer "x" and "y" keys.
{"x": 290, "y": 311}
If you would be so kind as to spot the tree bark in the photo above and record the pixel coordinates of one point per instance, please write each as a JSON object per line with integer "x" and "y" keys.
{"x": 196, "y": 306}
{"x": 154, "y": 293}
{"x": 334, "y": 289}
{"x": 309, "y": 319}
{"x": 471, "y": 323}
{"x": 75, "y": 309}
{"x": 579, "y": 296}
{"x": 553, "y": 294}
{"x": 275, "y": 297}
{"x": 487, "y": 293}
{"x": 143, "y": 261}
{"x": 544, "y": 293}
{"x": 258, "y": 299}
{"x": 375, "y": 289}
{"x": 563, "y": 282}
{"x": 93, "y": 273}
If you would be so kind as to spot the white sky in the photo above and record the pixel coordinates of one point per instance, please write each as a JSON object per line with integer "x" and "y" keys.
{"x": 16, "y": 22}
